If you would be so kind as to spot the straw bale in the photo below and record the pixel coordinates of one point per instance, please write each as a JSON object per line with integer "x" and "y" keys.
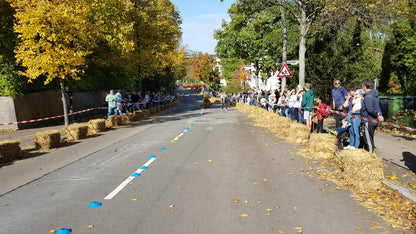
{"x": 113, "y": 121}
{"x": 233, "y": 104}
{"x": 298, "y": 133}
{"x": 96, "y": 126}
{"x": 9, "y": 150}
{"x": 362, "y": 169}
{"x": 215, "y": 100}
{"x": 322, "y": 146}
{"x": 146, "y": 113}
{"x": 128, "y": 117}
{"x": 139, "y": 114}
{"x": 48, "y": 139}
{"x": 76, "y": 132}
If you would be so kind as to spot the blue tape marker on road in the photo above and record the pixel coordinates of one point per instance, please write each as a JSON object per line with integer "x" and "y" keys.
{"x": 192, "y": 124}
{"x": 163, "y": 148}
{"x": 195, "y": 121}
{"x": 183, "y": 132}
{"x": 144, "y": 168}
{"x": 197, "y": 117}
{"x": 152, "y": 156}
{"x": 64, "y": 231}
{"x": 94, "y": 205}
{"x": 135, "y": 175}
{"x": 187, "y": 129}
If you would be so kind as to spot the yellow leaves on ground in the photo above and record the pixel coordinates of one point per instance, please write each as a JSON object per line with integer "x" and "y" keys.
{"x": 244, "y": 215}
{"x": 236, "y": 201}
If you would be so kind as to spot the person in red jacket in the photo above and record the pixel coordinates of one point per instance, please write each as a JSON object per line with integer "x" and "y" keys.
{"x": 321, "y": 114}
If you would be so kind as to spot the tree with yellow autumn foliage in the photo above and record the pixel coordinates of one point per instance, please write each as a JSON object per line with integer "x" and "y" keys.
{"x": 55, "y": 37}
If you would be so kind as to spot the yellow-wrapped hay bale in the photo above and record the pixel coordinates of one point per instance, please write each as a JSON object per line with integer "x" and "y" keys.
{"x": 96, "y": 126}
{"x": 362, "y": 169}
{"x": 128, "y": 117}
{"x": 322, "y": 146}
{"x": 47, "y": 140}
{"x": 9, "y": 150}
{"x": 113, "y": 121}
{"x": 298, "y": 133}
{"x": 76, "y": 132}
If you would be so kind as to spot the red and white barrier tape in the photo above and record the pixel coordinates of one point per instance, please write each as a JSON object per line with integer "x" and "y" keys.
{"x": 53, "y": 117}
{"x": 362, "y": 118}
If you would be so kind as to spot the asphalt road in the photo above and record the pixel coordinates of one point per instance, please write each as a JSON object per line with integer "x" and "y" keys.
{"x": 192, "y": 186}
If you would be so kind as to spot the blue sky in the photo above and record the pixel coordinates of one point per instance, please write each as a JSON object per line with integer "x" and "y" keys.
{"x": 199, "y": 20}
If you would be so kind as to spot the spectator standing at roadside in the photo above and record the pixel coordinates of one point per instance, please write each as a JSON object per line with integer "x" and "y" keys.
{"x": 68, "y": 100}
{"x": 224, "y": 100}
{"x": 355, "y": 122}
{"x": 119, "y": 103}
{"x": 371, "y": 110}
{"x": 320, "y": 114}
{"x": 307, "y": 103}
{"x": 291, "y": 104}
{"x": 111, "y": 99}
{"x": 298, "y": 104}
{"x": 339, "y": 94}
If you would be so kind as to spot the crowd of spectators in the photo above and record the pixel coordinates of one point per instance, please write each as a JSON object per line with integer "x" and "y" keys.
{"x": 301, "y": 105}
{"x": 127, "y": 102}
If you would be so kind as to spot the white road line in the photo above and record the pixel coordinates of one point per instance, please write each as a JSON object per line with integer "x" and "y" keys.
{"x": 127, "y": 181}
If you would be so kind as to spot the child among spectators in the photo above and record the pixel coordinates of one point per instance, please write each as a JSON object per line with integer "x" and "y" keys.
{"x": 322, "y": 111}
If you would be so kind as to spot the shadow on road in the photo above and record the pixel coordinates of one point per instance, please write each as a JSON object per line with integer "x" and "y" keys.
{"x": 409, "y": 160}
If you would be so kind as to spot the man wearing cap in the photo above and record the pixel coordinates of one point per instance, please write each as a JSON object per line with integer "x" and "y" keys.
{"x": 339, "y": 95}
{"x": 370, "y": 110}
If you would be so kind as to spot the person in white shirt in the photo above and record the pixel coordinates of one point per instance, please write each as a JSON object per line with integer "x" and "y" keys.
{"x": 355, "y": 122}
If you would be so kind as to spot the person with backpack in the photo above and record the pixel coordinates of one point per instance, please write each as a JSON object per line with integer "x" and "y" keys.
{"x": 323, "y": 112}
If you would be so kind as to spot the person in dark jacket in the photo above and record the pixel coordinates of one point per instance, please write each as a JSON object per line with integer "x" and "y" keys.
{"x": 370, "y": 109}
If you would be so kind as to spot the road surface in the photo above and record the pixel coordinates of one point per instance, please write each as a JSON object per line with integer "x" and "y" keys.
{"x": 222, "y": 175}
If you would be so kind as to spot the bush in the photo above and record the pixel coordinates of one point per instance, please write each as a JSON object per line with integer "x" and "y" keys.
{"x": 405, "y": 118}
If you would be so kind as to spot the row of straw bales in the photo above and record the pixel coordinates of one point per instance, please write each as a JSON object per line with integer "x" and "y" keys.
{"x": 360, "y": 169}
{"x": 10, "y": 150}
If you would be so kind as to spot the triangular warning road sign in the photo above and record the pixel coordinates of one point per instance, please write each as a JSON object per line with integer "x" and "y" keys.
{"x": 284, "y": 72}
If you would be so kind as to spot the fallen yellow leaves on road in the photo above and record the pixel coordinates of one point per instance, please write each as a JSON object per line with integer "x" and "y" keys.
{"x": 265, "y": 180}
{"x": 134, "y": 199}
{"x": 244, "y": 215}
{"x": 90, "y": 226}
{"x": 236, "y": 201}
{"x": 245, "y": 202}
{"x": 281, "y": 231}
{"x": 52, "y": 231}
{"x": 298, "y": 229}
{"x": 259, "y": 202}
{"x": 358, "y": 229}
{"x": 171, "y": 206}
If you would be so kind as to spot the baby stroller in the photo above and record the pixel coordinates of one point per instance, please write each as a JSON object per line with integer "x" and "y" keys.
{"x": 343, "y": 137}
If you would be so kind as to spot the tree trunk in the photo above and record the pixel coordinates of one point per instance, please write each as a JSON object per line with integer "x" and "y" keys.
{"x": 64, "y": 102}
{"x": 284, "y": 49}
{"x": 303, "y": 25}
